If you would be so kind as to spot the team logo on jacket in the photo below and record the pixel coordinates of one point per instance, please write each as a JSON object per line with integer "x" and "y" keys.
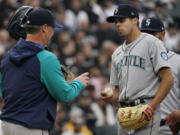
{"x": 164, "y": 55}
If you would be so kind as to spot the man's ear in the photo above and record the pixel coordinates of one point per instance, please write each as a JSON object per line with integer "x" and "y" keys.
{"x": 44, "y": 27}
{"x": 135, "y": 20}
{"x": 164, "y": 33}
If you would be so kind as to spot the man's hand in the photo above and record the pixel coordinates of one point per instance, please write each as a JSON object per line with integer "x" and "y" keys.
{"x": 148, "y": 113}
{"x": 173, "y": 118}
{"x": 114, "y": 98}
{"x": 107, "y": 93}
{"x": 84, "y": 78}
{"x": 105, "y": 97}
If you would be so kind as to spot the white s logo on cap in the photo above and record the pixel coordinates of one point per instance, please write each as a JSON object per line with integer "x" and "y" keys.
{"x": 148, "y": 22}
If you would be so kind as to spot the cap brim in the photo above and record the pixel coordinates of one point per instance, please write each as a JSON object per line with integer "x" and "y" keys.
{"x": 111, "y": 19}
{"x": 151, "y": 30}
{"x": 57, "y": 25}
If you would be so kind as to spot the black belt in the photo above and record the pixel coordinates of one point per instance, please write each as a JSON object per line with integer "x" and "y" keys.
{"x": 162, "y": 122}
{"x": 132, "y": 103}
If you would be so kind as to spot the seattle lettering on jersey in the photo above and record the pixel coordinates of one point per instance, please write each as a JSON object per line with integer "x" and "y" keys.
{"x": 132, "y": 60}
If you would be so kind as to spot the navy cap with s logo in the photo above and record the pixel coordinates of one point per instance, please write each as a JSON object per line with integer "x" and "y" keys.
{"x": 152, "y": 24}
{"x": 123, "y": 11}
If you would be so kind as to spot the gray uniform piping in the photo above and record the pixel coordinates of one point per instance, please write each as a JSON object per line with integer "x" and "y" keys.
{"x": 129, "y": 65}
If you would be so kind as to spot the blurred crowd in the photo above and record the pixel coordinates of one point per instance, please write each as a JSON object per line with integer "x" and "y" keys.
{"x": 86, "y": 43}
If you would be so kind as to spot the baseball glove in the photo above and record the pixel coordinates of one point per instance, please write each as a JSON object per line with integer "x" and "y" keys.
{"x": 68, "y": 74}
{"x": 130, "y": 117}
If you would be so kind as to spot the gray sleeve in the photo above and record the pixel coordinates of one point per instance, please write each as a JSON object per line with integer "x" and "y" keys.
{"x": 158, "y": 55}
{"x": 114, "y": 75}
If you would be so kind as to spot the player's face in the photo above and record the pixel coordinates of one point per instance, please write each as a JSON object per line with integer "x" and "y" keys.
{"x": 124, "y": 26}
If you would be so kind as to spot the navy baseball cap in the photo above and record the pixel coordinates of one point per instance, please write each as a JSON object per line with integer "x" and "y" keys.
{"x": 39, "y": 17}
{"x": 152, "y": 25}
{"x": 123, "y": 11}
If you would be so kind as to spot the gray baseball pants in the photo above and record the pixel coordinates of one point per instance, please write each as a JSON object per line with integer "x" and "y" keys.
{"x": 15, "y": 129}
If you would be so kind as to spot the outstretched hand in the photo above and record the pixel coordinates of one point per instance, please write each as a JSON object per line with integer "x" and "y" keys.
{"x": 173, "y": 118}
{"x": 84, "y": 78}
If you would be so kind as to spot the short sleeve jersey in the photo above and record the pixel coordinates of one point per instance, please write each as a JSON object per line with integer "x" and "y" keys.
{"x": 135, "y": 66}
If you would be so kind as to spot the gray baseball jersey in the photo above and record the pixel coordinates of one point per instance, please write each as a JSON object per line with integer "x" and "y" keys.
{"x": 134, "y": 67}
{"x": 172, "y": 100}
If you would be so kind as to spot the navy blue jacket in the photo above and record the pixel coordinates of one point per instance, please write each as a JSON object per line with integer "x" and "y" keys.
{"x": 29, "y": 75}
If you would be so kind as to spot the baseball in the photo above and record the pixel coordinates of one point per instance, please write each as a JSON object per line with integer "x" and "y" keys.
{"x": 108, "y": 91}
